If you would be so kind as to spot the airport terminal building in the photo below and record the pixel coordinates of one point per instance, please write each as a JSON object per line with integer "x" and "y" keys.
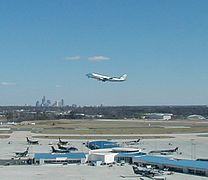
{"x": 177, "y": 165}
{"x": 59, "y": 158}
{"x": 102, "y": 145}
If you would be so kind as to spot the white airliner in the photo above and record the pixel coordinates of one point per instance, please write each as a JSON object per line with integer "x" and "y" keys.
{"x": 104, "y": 78}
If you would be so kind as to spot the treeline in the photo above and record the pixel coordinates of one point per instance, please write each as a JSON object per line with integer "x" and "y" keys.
{"x": 22, "y": 113}
{"x": 139, "y": 111}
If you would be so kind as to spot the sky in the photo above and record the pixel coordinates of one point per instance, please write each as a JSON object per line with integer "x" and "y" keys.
{"x": 47, "y": 48}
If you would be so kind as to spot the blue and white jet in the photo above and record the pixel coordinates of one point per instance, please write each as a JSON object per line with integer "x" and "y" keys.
{"x": 105, "y": 78}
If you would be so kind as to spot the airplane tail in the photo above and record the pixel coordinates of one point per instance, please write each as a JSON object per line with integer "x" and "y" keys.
{"x": 135, "y": 169}
{"x": 26, "y": 152}
{"x": 176, "y": 149}
{"x": 60, "y": 140}
{"x": 53, "y": 149}
{"x": 27, "y": 139}
{"x": 138, "y": 140}
{"x": 59, "y": 146}
{"x": 124, "y": 77}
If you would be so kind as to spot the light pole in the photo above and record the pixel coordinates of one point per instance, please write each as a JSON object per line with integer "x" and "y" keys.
{"x": 193, "y": 153}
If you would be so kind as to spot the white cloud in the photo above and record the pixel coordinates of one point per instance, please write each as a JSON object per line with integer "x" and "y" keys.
{"x": 8, "y": 83}
{"x": 98, "y": 58}
{"x": 72, "y": 58}
{"x": 92, "y": 58}
{"x": 58, "y": 86}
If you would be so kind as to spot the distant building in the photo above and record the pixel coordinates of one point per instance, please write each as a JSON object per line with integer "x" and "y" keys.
{"x": 160, "y": 116}
{"x": 48, "y": 102}
{"x": 196, "y": 117}
{"x": 56, "y": 104}
{"x": 74, "y": 105}
{"x": 62, "y": 103}
{"x": 43, "y": 101}
{"x": 37, "y": 104}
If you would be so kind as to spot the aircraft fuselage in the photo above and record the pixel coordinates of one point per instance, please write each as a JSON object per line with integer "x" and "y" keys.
{"x": 105, "y": 78}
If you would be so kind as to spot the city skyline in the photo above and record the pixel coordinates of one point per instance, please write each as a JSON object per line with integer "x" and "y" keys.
{"x": 48, "y": 102}
{"x": 48, "y": 47}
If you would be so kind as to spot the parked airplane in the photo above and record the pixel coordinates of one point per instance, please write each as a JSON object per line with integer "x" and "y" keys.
{"x": 59, "y": 151}
{"x": 63, "y": 142}
{"x": 104, "y": 78}
{"x": 132, "y": 142}
{"x": 146, "y": 172}
{"x": 67, "y": 148}
{"x": 22, "y": 154}
{"x": 164, "y": 151}
{"x": 31, "y": 141}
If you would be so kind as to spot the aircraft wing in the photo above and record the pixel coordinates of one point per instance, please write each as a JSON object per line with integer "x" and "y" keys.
{"x": 100, "y": 77}
{"x": 20, "y": 154}
{"x": 103, "y": 79}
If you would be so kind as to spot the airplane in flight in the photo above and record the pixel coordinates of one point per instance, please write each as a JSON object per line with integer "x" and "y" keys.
{"x": 105, "y": 78}
{"x": 67, "y": 148}
{"x": 59, "y": 151}
{"x": 22, "y": 154}
{"x": 31, "y": 141}
{"x": 63, "y": 142}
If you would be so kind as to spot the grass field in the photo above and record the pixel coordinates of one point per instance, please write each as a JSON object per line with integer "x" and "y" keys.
{"x": 125, "y": 130}
{"x": 5, "y": 132}
{"x": 4, "y": 136}
{"x": 101, "y": 137}
{"x": 117, "y": 127}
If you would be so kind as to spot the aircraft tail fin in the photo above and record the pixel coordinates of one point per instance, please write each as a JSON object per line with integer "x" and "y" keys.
{"x": 53, "y": 149}
{"x": 59, "y": 146}
{"x": 134, "y": 169}
{"x": 26, "y": 152}
{"x": 124, "y": 77}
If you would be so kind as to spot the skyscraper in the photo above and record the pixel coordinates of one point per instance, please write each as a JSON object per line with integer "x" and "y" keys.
{"x": 56, "y": 104}
{"x": 62, "y": 103}
{"x": 48, "y": 102}
{"x": 43, "y": 101}
{"x": 37, "y": 104}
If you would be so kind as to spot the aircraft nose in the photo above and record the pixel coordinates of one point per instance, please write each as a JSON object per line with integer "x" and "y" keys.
{"x": 88, "y": 75}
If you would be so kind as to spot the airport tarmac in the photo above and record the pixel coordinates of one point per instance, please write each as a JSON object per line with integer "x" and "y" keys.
{"x": 191, "y": 146}
{"x": 78, "y": 172}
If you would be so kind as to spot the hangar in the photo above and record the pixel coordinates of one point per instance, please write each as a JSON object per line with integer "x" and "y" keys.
{"x": 161, "y": 116}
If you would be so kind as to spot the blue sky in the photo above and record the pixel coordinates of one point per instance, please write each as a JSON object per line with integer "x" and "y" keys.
{"x": 48, "y": 46}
